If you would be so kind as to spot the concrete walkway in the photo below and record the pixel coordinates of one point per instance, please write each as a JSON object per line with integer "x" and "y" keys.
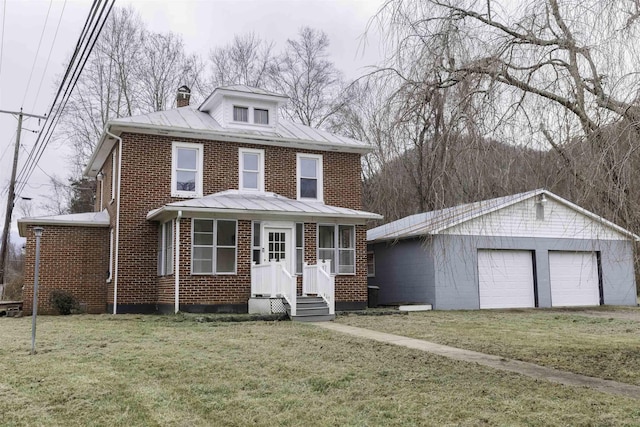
{"x": 497, "y": 362}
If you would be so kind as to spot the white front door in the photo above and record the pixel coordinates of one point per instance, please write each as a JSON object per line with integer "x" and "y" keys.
{"x": 278, "y": 246}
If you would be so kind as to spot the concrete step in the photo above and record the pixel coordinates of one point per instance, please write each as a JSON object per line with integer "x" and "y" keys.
{"x": 314, "y": 318}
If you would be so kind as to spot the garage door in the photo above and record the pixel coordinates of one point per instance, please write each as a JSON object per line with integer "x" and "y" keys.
{"x": 574, "y": 279}
{"x": 505, "y": 279}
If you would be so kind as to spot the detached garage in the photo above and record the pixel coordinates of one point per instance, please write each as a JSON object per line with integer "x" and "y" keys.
{"x": 532, "y": 249}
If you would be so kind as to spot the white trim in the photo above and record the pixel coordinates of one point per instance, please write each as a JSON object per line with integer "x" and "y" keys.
{"x": 176, "y": 263}
{"x": 111, "y": 247}
{"x": 214, "y": 271}
{"x": 260, "y": 171}
{"x": 175, "y": 145}
{"x": 113, "y": 176}
{"x": 319, "y": 176}
{"x": 336, "y": 249}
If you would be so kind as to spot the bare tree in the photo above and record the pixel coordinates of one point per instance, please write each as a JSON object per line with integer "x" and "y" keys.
{"x": 246, "y": 60}
{"x": 312, "y": 82}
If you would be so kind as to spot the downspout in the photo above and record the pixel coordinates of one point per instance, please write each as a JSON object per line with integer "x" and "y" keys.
{"x": 115, "y": 269}
{"x": 176, "y": 266}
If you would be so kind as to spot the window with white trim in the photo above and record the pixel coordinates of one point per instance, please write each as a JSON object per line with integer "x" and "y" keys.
{"x": 371, "y": 264}
{"x": 343, "y": 254}
{"x": 113, "y": 175}
{"x": 165, "y": 249}
{"x": 299, "y": 247}
{"x": 260, "y": 116}
{"x": 213, "y": 246}
{"x": 240, "y": 114}
{"x": 251, "y": 169}
{"x": 309, "y": 177}
{"x": 186, "y": 170}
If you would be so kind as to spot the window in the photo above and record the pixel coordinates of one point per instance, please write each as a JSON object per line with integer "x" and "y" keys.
{"x": 251, "y": 169}
{"x": 309, "y": 173}
{"x": 255, "y": 246}
{"x": 260, "y": 116}
{"x": 299, "y": 247}
{"x": 342, "y": 255}
{"x": 165, "y": 249}
{"x": 213, "y": 249}
{"x": 371, "y": 264}
{"x": 113, "y": 175}
{"x": 111, "y": 247}
{"x": 186, "y": 172}
{"x": 240, "y": 114}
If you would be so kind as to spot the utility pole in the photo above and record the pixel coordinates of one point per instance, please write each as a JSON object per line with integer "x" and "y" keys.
{"x": 12, "y": 189}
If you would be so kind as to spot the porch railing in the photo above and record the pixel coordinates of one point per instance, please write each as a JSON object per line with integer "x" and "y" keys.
{"x": 272, "y": 279}
{"x": 317, "y": 279}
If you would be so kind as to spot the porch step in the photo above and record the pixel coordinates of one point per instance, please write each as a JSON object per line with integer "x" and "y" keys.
{"x": 310, "y": 309}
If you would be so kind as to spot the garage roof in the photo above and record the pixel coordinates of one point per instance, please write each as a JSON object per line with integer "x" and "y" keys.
{"x": 435, "y": 222}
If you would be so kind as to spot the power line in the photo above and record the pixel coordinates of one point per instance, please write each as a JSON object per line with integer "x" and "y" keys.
{"x": 44, "y": 73}
{"x": 90, "y": 33}
{"x": 35, "y": 59}
{"x": 81, "y": 40}
{"x": 4, "y": 15}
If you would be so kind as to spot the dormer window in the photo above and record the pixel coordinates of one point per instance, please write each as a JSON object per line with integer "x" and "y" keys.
{"x": 260, "y": 116}
{"x": 240, "y": 114}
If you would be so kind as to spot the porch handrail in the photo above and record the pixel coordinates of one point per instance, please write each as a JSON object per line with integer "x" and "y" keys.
{"x": 317, "y": 279}
{"x": 272, "y": 279}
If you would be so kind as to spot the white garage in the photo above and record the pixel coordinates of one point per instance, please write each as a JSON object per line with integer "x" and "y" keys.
{"x": 574, "y": 279}
{"x": 505, "y": 279}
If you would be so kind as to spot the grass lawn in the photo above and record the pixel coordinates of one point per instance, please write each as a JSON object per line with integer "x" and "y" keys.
{"x": 599, "y": 347}
{"x": 153, "y": 370}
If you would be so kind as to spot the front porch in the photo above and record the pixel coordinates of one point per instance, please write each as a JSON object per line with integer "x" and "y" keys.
{"x": 274, "y": 290}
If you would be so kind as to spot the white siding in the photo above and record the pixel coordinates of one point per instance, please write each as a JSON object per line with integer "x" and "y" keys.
{"x": 505, "y": 279}
{"x": 520, "y": 220}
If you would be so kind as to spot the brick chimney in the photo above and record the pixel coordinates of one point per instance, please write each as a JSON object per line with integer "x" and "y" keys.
{"x": 184, "y": 94}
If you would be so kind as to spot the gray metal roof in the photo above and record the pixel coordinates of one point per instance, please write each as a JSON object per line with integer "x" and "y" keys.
{"x": 191, "y": 119}
{"x": 251, "y": 90}
{"x": 87, "y": 219}
{"x": 239, "y": 202}
{"x": 436, "y": 221}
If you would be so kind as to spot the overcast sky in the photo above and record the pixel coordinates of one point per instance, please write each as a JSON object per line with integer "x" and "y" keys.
{"x": 203, "y": 24}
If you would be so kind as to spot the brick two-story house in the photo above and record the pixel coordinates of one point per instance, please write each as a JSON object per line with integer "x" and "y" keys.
{"x": 221, "y": 208}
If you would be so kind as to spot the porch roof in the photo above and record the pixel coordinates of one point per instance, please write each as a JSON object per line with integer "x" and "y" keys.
{"x": 251, "y": 204}
{"x": 87, "y": 219}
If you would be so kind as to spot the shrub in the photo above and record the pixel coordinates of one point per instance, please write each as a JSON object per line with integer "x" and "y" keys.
{"x": 63, "y": 301}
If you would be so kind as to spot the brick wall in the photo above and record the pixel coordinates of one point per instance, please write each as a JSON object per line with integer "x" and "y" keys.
{"x": 146, "y": 185}
{"x": 73, "y": 259}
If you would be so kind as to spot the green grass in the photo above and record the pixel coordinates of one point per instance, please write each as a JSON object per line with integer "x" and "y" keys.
{"x": 152, "y": 370}
{"x": 599, "y": 347}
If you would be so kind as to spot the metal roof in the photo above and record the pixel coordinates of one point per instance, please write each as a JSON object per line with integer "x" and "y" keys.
{"x": 436, "y": 221}
{"x": 191, "y": 119}
{"x": 242, "y": 202}
{"x": 87, "y": 219}
{"x": 251, "y": 90}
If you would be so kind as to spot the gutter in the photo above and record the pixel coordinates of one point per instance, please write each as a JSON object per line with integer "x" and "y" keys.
{"x": 117, "y": 254}
{"x": 176, "y": 267}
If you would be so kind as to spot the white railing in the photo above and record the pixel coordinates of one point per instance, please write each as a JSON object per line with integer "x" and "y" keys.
{"x": 272, "y": 279}
{"x": 317, "y": 279}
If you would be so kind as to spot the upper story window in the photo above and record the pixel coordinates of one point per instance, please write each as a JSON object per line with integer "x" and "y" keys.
{"x": 186, "y": 170}
{"x": 309, "y": 177}
{"x": 251, "y": 169}
{"x": 240, "y": 114}
{"x": 260, "y": 116}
